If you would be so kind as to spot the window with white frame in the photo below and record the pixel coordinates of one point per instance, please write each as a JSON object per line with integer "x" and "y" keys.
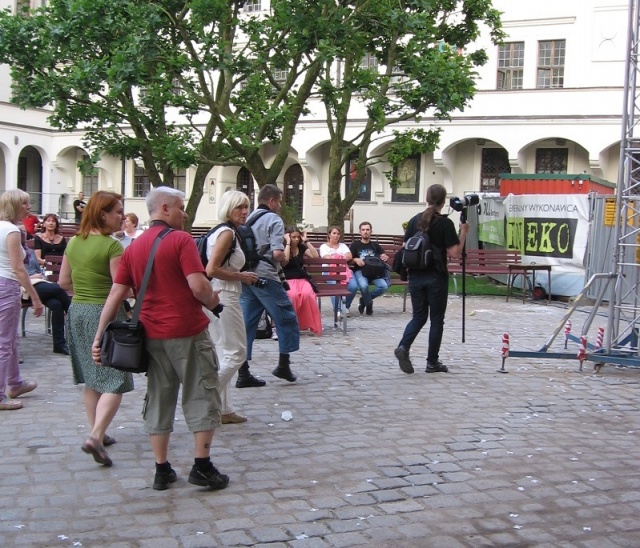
{"x": 253, "y": 5}
{"x": 280, "y": 75}
{"x": 364, "y": 185}
{"x": 369, "y": 62}
{"x": 510, "y": 65}
{"x": 408, "y": 176}
{"x": 141, "y": 184}
{"x": 89, "y": 180}
{"x": 180, "y": 179}
{"x": 551, "y": 64}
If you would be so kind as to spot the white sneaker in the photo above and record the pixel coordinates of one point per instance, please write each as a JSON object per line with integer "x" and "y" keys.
{"x": 274, "y": 334}
{"x": 339, "y": 316}
{"x": 348, "y": 312}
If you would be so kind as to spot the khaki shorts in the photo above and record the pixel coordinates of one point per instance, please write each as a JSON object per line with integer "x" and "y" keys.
{"x": 192, "y": 363}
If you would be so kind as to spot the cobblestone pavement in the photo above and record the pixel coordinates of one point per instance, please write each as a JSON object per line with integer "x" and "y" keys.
{"x": 543, "y": 456}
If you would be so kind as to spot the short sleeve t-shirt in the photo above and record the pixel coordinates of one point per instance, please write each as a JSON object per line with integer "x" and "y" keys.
{"x": 169, "y": 310}
{"x": 442, "y": 233}
{"x": 360, "y": 250}
{"x": 47, "y": 248}
{"x": 89, "y": 259}
{"x": 340, "y": 251}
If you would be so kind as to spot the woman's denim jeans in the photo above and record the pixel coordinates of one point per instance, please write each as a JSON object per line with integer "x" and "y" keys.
{"x": 429, "y": 292}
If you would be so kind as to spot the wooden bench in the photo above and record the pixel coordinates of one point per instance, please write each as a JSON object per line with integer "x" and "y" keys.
{"x": 69, "y": 229}
{"x": 390, "y": 243}
{"x": 200, "y": 230}
{"x": 484, "y": 262}
{"x": 330, "y": 276}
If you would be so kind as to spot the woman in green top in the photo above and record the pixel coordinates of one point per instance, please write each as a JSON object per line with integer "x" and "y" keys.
{"x": 88, "y": 268}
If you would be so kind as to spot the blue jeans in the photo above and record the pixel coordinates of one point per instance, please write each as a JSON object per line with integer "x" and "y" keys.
{"x": 429, "y": 292}
{"x": 360, "y": 282}
{"x": 274, "y": 299}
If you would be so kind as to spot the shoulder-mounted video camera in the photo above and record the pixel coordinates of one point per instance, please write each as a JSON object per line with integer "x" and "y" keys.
{"x": 461, "y": 204}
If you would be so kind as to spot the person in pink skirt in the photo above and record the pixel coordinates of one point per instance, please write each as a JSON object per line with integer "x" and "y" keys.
{"x": 300, "y": 289}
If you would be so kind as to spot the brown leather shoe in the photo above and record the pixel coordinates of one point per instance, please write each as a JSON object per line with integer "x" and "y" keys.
{"x": 232, "y": 418}
{"x": 24, "y": 388}
{"x": 7, "y": 404}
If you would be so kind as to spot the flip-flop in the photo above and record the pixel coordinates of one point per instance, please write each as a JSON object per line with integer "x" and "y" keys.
{"x": 97, "y": 451}
{"x": 108, "y": 440}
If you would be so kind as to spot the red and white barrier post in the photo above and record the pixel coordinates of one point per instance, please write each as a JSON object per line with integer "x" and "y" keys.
{"x": 567, "y": 332}
{"x": 582, "y": 353}
{"x": 505, "y": 352}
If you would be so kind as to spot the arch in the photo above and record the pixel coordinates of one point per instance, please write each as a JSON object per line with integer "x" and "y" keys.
{"x": 293, "y": 194}
{"x": 30, "y": 175}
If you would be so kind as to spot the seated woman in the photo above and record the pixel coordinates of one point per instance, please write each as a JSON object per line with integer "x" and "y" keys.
{"x": 54, "y": 298}
{"x": 49, "y": 241}
{"x": 332, "y": 249}
{"x": 300, "y": 290}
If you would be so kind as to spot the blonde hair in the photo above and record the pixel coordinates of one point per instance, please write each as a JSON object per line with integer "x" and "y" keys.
{"x": 229, "y": 201}
{"x": 10, "y": 203}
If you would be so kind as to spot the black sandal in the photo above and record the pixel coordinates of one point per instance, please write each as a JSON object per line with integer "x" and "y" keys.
{"x": 97, "y": 451}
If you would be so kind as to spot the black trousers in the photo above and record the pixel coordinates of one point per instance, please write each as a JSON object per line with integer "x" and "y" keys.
{"x": 57, "y": 300}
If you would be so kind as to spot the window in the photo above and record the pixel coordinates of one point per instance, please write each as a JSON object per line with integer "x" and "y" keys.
{"x": 369, "y": 62}
{"x": 293, "y": 194}
{"x": 90, "y": 180}
{"x": 364, "y": 194}
{"x": 552, "y": 160}
{"x": 510, "y": 63}
{"x": 494, "y": 162}
{"x": 180, "y": 179}
{"x": 176, "y": 87}
{"x": 280, "y": 75}
{"x": 408, "y": 175}
{"x": 244, "y": 183}
{"x": 253, "y": 5}
{"x": 551, "y": 64}
{"x": 141, "y": 185}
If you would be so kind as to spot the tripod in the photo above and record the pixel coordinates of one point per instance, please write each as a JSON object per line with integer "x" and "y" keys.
{"x": 463, "y": 220}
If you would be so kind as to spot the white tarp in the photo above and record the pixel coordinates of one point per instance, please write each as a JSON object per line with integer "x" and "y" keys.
{"x": 546, "y": 229}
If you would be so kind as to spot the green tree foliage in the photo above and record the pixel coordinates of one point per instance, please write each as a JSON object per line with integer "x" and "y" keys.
{"x": 200, "y": 82}
{"x": 422, "y": 72}
{"x": 174, "y": 83}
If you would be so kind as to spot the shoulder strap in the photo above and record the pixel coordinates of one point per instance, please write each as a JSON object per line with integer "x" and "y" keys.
{"x": 259, "y": 214}
{"x": 147, "y": 275}
{"x": 231, "y": 249}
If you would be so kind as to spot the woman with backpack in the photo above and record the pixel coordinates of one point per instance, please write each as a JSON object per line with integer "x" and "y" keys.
{"x": 225, "y": 261}
{"x": 429, "y": 288}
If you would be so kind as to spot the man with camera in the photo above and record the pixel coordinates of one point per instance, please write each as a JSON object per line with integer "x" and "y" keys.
{"x": 269, "y": 293}
{"x": 429, "y": 288}
{"x": 369, "y": 267}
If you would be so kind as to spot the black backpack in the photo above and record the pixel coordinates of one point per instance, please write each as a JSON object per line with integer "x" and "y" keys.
{"x": 248, "y": 242}
{"x": 419, "y": 253}
{"x": 201, "y": 243}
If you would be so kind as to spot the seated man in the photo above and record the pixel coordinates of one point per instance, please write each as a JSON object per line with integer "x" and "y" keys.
{"x": 54, "y": 298}
{"x": 359, "y": 250}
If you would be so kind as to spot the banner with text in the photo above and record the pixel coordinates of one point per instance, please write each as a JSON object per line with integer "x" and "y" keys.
{"x": 545, "y": 228}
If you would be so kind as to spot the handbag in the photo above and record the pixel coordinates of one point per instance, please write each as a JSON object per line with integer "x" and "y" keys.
{"x": 374, "y": 268}
{"x": 122, "y": 345}
{"x": 398, "y": 265}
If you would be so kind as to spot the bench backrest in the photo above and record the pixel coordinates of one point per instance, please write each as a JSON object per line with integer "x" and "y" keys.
{"x": 488, "y": 258}
{"x": 326, "y": 272}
